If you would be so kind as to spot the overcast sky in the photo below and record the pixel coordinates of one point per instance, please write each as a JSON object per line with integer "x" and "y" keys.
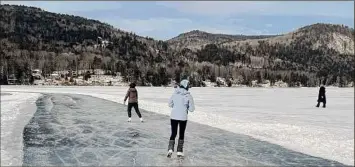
{"x": 166, "y": 19}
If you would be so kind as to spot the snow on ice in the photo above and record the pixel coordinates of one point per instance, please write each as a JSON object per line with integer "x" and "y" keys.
{"x": 283, "y": 116}
{"x": 12, "y": 123}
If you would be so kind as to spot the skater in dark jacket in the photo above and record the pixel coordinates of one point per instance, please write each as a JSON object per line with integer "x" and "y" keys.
{"x": 181, "y": 103}
{"x": 321, "y": 97}
{"x": 132, "y": 95}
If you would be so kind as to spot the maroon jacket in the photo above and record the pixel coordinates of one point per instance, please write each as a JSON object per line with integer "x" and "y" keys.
{"x": 132, "y": 94}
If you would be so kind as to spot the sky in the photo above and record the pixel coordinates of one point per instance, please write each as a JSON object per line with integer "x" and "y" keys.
{"x": 166, "y": 19}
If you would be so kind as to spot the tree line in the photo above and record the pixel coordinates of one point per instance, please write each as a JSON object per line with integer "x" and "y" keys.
{"x": 35, "y": 39}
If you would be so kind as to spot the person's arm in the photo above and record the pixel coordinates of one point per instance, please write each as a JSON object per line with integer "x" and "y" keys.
{"x": 191, "y": 104}
{"x": 323, "y": 94}
{"x": 127, "y": 94}
{"x": 171, "y": 102}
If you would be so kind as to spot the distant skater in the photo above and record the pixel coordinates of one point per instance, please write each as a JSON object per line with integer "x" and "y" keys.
{"x": 181, "y": 102}
{"x": 132, "y": 94}
{"x": 321, "y": 97}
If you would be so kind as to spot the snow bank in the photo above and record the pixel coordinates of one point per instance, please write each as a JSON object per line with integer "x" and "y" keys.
{"x": 282, "y": 116}
{"x": 16, "y": 111}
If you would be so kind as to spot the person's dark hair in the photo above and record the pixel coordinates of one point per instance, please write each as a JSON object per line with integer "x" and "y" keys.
{"x": 132, "y": 85}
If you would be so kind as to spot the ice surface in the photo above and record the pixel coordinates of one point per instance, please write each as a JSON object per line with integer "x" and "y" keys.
{"x": 282, "y": 116}
{"x": 13, "y": 119}
{"x": 5, "y": 94}
{"x": 70, "y": 130}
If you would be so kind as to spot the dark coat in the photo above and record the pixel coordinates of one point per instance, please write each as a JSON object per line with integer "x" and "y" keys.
{"x": 321, "y": 95}
{"x": 132, "y": 95}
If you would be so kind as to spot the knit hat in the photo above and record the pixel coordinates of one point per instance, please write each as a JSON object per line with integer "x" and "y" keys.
{"x": 184, "y": 83}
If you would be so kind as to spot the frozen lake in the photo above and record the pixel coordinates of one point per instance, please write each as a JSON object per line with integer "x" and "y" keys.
{"x": 80, "y": 130}
{"x": 285, "y": 117}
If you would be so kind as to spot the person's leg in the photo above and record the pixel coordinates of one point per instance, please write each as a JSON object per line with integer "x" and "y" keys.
{"x": 324, "y": 103}
{"x": 135, "y": 105}
{"x": 129, "y": 109}
{"x": 182, "y": 127}
{"x": 174, "y": 127}
{"x": 318, "y": 103}
{"x": 174, "y": 124}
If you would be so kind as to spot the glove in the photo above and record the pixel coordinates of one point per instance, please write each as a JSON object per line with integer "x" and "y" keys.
{"x": 124, "y": 102}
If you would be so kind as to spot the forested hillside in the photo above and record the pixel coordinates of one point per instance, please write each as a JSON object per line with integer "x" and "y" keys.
{"x": 33, "y": 38}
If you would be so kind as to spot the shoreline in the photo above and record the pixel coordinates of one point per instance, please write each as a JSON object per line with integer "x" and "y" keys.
{"x": 213, "y": 87}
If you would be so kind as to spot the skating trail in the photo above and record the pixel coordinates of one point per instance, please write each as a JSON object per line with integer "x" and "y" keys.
{"x": 82, "y": 130}
{"x": 283, "y": 116}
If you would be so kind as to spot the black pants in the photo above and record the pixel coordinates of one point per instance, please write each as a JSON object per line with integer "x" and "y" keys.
{"x": 174, "y": 127}
{"x": 129, "y": 109}
{"x": 322, "y": 100}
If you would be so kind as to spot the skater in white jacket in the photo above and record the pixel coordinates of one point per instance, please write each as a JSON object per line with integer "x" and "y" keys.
{"x": 181, "y": 103}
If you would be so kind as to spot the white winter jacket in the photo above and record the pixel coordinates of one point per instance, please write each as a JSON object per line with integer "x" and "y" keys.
{"x": 181, "y": 101}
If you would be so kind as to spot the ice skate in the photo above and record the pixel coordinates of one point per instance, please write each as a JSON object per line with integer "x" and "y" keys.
{"x": 171, "y": 148}
{"x": 180, "y": 146}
